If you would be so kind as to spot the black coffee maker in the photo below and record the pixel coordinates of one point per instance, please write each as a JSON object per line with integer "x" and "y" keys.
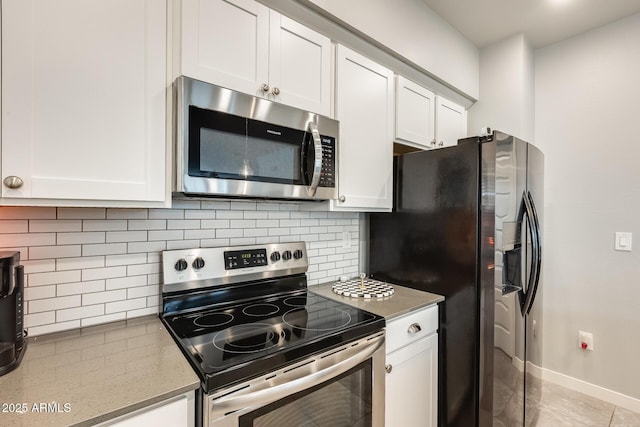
{"x": 12, "y": 342}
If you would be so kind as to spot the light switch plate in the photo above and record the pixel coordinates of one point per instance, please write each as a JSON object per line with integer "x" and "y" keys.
{"x": 623, "y": 241}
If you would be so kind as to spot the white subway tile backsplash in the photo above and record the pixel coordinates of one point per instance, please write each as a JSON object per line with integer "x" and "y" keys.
{"x": 24, "y": 239}
{"x": 82, "y": 213}
{"x": 102, "y": 297}
{"x": 104, "y": 249}
{"x": 79, "y": 312}
{"x": 87, "y": 266}
{"x": 46, "y": 252}
{"x": 126, "y": 305}
{"x": 49, "y": 225}
{"x": 78, "y": 288}
{"x": 104, "y": 273}
{"x": 39, "y": 292}
{"x": 128, "y": 259}
{"x": 79, "y": 263}
{"x": 57, "y": 303}
{"x": 148, "y": 224}
{"x": 90, "y": 321}
{"x": 14, "y": 226}
{"x": 39, "y": 266}
{"x": 127, "y": 214}
{"x": 81, "y": 238}
{"x": 53, "y": 278}
{"x": 104, "y": 225}
{"x": 126, "y": 236}
{"x": 126, "y": 282}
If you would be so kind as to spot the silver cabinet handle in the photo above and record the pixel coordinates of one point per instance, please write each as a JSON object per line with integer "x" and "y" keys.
{"x": 388, "y": 368}
{"x": 317, "y": 161}
{"x": 265, "y": 87}
{"x": 275, "y": 91}
{"x": 342, "y": 199}
{"x": 441, "y": 144}
{"x": 13, "y": 182}
{"x": 414, "y": 328}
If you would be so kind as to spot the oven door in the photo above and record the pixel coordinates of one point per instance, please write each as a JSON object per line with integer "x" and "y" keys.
{"x": 343, "y": 386}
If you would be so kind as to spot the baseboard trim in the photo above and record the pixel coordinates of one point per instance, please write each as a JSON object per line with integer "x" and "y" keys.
{"x": 613, "y": 397}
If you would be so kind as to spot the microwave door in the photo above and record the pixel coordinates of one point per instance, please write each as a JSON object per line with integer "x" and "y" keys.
{"x": 315, "y": 147}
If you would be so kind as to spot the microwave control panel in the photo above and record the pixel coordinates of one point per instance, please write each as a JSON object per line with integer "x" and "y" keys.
{"x": 328, "y": 173}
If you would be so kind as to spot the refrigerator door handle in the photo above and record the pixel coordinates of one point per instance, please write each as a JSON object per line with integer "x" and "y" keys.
{"x": 531, "y": 293}
{"x": 526, "y": 297}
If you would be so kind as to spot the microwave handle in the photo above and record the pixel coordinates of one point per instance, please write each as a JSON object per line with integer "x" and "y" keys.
{"x": 317, "y": 161}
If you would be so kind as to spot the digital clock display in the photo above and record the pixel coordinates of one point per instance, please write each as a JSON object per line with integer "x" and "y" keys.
{"x": 245, "y": 259}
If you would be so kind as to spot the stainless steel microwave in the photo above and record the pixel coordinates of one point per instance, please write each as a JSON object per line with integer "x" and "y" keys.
{"x": 230, "y": 144}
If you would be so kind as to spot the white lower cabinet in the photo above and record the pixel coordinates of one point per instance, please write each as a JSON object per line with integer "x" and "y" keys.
{"x": 411, "y": 390}
{"x": 176, "y": 412}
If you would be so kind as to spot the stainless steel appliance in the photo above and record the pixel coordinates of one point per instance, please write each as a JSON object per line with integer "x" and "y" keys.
{"x": 12, "y": 343}
{"x": 231, "y": 144}
{"x": 466, "y": 224}
{"x": 268, "y": 351}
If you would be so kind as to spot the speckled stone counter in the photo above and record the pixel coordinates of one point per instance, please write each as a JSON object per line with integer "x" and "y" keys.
{"x": 93, "y": 374}
{"x": 403, "y": 301}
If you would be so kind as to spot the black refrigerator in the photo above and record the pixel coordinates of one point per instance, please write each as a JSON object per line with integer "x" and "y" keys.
{"x": 467, "y": 224}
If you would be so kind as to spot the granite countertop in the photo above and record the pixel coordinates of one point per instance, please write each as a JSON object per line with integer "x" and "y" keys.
{"x": 404, "y": 300}
{"x": 97, "y": 373}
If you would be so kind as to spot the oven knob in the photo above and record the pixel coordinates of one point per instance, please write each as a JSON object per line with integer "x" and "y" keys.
{"x": 198, "y": 263}
{"x": 286, "y": 255}
{"x": 275, "y": 256}
{"x": 297, "y": 254}
{"x": 181, "y": 264}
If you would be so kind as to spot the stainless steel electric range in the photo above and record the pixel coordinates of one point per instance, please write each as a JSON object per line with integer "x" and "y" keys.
{"x": 268, "y": 351}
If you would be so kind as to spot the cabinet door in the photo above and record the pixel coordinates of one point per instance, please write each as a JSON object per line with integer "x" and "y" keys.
{"x": 299, "y": 65}
{"x": 364, "y": 107}
{"x": 451, "y": 122}
{"x": 83, "y": 99}
{"x": 411, "y": 390}
{"x": 415, "y": 114}
{"x": 226, "y": 42}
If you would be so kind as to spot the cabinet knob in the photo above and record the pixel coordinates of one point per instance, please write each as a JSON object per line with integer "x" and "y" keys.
{"x": 275, "y": 91}
{"x": 433, "y": 142}
{"x": 388, "y": 368}
{"x": 441, "y": 144}
{"x": 342, "y": 199}
{"x": 13, "y": 182}
{"x": 265, "y": 87}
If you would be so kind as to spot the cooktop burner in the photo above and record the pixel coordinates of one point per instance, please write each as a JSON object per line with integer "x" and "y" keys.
{"x": 238, "y": 313}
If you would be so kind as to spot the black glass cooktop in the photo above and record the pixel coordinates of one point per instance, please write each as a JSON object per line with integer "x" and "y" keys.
{"x": 240, "y": 341}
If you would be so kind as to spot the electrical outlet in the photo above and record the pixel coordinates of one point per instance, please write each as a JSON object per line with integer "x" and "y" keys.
{"x": 585, "y": 340}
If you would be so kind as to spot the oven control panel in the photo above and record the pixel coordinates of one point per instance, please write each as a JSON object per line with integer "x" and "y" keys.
{"x": 186, "y": 268}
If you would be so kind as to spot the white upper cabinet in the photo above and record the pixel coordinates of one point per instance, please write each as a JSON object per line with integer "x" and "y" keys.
{"x": 245, "y": 46}
{"x": 364, "y": 107}
{"x": 451, "y": 122}
{"x": 415, "y": 114}
{"x": 425, "y": 120}
{"x": 84, "y": 102}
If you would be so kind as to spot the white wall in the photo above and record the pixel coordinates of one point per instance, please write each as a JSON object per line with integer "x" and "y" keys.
{"x": 587, "y": 92}
{"x": 506, "y": 89}
{"x": 413, "y": 30}
{"x": 86, "y": 266}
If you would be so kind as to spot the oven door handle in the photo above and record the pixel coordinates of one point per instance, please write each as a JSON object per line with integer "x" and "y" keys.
{"x": 296, "y": 378}
{"x": 317, "y": 160}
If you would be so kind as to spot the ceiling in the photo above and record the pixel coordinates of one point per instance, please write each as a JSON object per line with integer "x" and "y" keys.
{"x": 543, "y": 22}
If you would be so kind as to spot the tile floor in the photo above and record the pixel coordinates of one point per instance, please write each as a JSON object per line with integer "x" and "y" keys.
{"x": 561, "y": 407}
